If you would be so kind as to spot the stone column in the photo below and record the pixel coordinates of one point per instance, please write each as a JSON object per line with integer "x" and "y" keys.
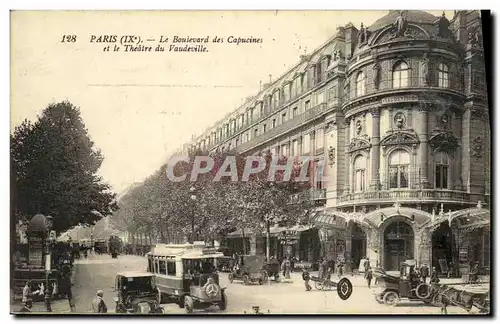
{"x": 347, "y": 162}
{"x": 423, "y": 136}
{"x": 348, "y": 250}
{"x": 375, "y": 149}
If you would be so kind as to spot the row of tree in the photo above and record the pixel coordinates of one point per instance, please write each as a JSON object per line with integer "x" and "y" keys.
{"x": 207, "y": 208}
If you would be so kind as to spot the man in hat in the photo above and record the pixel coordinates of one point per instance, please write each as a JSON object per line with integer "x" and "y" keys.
{"x": 98, "y": 304}
{"x": 27, "y": 306}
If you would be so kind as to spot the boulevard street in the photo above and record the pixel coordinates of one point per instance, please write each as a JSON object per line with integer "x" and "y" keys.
{"x": 99, "y": 271}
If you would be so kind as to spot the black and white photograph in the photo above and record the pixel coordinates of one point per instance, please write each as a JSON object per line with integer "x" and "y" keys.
{"x": 273, "y": 162}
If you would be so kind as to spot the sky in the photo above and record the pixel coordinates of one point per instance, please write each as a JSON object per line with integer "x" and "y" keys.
{"x": 139, "y": 107}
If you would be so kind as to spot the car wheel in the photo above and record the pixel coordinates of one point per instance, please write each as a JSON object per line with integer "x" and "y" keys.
{"x": 246, "y": 279}
{"x": 391, "y": 298}
{"x": 188, "y": 304}
{"x": 230, "y": 277}
{"x": 223, "y": 301}
{"x": 319, "y": 285}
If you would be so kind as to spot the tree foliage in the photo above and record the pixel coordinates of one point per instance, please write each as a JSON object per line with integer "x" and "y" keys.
{"x": 166, "y": 207}
{"x": 54, "y": 168}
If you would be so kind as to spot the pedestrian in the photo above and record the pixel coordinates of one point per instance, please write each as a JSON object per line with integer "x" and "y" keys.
{"x": 329, "y": 273}
{"x": 369, "y": 276}
{"x": 434, "y": 276}
{"x": 366, "y": 264}
{"x": 306, "y": 276}
{"x": 26, "y": 291}
{"x": 321, "y": 269}
{"x": 28, "y": 304}
{"x": 292, "y": 263}
{"x": 98, "y": 304}
{"x": 325, "y": 268}
{"x": 424, "y": 272}
{"x": 287, "y": 268}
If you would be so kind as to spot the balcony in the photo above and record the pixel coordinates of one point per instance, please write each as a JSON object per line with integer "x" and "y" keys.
{"x": 404, "y": 195}
{"x": 414, "y": 85}
{"x": 287, "y": 126}
{"x": 307, "y": 195}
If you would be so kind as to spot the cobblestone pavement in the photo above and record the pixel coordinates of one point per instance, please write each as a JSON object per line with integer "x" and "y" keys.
{"x": 289, "y": 297}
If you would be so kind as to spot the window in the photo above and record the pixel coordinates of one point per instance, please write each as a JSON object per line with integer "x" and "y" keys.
{"x": 284, "y": 151}
{"x": 251, "y": 114}
{"x": 399, "y": 163}
{"x": 318, "y": 73}
{"x": 156, "y": 265}
{"x": 264, "y": 128}
{"x": 359, "y": 173}
{"x": 295, "y": 148}
{"x": 274, "y": 122}
{"x": 306, "y": 143}
{"x": 246, "y": 137}
{"x": 261, "y": 111}
{"x": 163, "y": 267}
{"x": 319, "y": 174}
{"x": 319, "y": 138}
{"x": 276, "y": 99}
{"x": 283, "y": 118}
{"x": 320, "y": 97}
{"x": 295, "y": 111}
{"x": 307, "y": 105}
{"x": 293, "y": 89}
{"x": 443, "y": 76}
{"x": 286, "y": 92}
{"x": 441, "y": 175}
{"x": 256, "y": 132}
{"x": 171, "y": 267}
{"x": 400, "y": 75}
{"x": 236, "y": 141}
{"x": 360, "y": 84}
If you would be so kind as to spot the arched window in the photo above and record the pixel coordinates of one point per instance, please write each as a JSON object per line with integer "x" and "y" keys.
{"x": 360, "y": 84}
{"x": 359, "y": 173}
{"x": 441, "y": 170}
{"x": 399, "y": 164}
{"x": 443, "y": 76}
{"x": 400, "y": 75}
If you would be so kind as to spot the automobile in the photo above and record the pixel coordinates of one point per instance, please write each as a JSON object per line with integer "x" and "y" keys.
{"x": 391, "y": 289}
{"x": 273, "y": 267}
{"x": 250, "y": 269}
{"x": 225, "y": 263}
{"x": 136, "y": 293}
{"x": 186, "y": 275}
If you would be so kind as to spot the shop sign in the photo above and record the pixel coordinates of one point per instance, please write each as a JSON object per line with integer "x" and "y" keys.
{"x": 289, "y": 242}
{"x": 391, "y": 100}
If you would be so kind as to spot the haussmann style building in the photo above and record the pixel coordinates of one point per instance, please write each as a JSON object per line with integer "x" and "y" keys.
{"x": 397, "y": 114}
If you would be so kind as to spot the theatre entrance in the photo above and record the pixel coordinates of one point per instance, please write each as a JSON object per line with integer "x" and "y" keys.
{"x": 398, "y": 245}
{"x": 358, "y": 244}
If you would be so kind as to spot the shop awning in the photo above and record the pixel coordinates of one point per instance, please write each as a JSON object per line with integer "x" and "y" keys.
{"x": 333, "y": 219}
{"x": 273, "y": 231}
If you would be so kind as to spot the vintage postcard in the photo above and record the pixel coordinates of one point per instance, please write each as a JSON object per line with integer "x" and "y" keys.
{"x": 250, "y": 162}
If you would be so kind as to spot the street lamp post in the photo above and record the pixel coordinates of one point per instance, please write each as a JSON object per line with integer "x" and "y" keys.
{"x": 48, "y": 265}
{"x": 192, "y": 190}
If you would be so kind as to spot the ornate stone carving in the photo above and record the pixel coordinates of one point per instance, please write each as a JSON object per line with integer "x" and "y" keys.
{"x": 375, "y": 112}
{"x": 400, "y": 24}
{"x": 376, "y": 75}
{"x": 474, "y": 39}
{"x": 400, "y": 120}
{"x": 362, "y": 35}
{"x": 412, "y": 32}
{"x": 331, "y": 155}
{"x": 443, "y": 25}
{"x": 359, "y": 127}
{"x": 400, "y": 138}
{"x": 443, "y": 141}
{"x": 358, "y": 144}
{"x": 424, "y": 70}
{"x": 477, "y": 147}
{"x": 444, "y": 120}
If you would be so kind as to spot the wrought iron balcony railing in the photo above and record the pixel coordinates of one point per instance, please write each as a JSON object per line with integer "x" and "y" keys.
{"x": 411, "y": 195}
{"x": 306, "y": 195}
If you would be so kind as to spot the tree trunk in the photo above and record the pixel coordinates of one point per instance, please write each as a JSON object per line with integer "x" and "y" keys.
{"x": 244, "y": 241}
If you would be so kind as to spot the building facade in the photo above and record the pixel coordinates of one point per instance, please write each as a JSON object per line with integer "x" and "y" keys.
{"x": 397, "y": 116}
